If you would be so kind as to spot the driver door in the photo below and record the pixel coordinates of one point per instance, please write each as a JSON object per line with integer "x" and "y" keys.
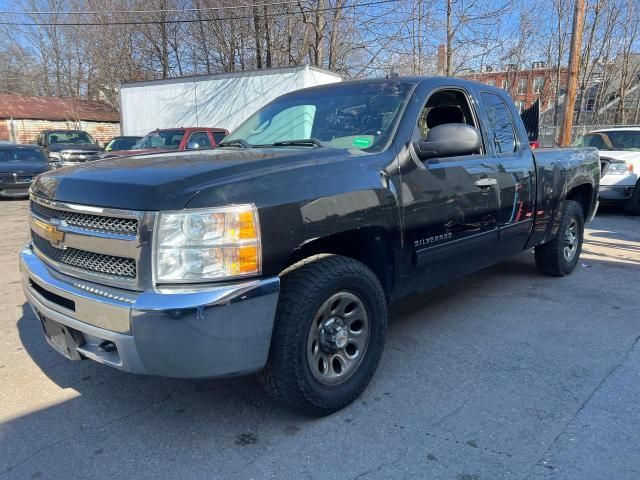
{"x": 449, "y": 204}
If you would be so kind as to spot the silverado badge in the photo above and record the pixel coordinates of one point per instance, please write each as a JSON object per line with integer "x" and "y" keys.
{"x": 425, "y": 242}
{"x": 48, "y": 231}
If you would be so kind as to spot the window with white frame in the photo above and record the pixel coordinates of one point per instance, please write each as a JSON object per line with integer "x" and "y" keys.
{"x": 538, "y": 84}
{"x": 522, "y": 86}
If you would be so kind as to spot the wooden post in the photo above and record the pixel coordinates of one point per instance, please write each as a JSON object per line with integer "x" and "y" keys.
{"x": 574, "y": 67}
{"x": 449, "y": 53}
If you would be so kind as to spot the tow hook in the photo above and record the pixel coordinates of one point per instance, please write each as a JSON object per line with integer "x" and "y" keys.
{"x": 107, "y": 346}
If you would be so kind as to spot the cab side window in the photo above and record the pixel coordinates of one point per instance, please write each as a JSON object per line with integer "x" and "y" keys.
{"x": 218, "y": 137}
{"x": 442, "y": 107}
{"x": 445, "y": 106}
{"x": 501, "y": 132}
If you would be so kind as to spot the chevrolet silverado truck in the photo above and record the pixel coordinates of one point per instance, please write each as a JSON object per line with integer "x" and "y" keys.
{"x": 68, "y": 147}
{"x": 620, "y": 160}
{"x": 279, "y": 251}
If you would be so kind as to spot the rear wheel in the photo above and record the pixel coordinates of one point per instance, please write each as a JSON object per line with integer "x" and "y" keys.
{"x": 560, "y": 256}
{"x": 328, "y": 335}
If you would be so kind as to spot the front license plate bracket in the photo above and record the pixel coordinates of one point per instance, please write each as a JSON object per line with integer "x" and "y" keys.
{"x": 63, "y": 339}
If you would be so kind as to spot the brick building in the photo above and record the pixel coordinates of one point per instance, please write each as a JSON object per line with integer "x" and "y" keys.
{"x": 524, "y": 85}
{"x": 23, "y": 118}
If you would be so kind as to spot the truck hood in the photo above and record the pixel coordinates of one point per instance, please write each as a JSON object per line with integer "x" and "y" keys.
{"x": 139, "y": 151}
{"x": 78, "y": 147}
{"x": 168, "y": 181}
{"x": 622, "y": 155}
{"x": 24, "y": 166}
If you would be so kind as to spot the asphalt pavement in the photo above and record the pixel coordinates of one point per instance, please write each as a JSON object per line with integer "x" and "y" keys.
{"x": 505, "y": 374}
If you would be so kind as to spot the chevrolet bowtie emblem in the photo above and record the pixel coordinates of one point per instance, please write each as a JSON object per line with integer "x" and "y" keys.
{"x": 48, "y": 231}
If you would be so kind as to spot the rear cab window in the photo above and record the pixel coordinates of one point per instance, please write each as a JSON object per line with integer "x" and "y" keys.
{"x": 198, "y": 140}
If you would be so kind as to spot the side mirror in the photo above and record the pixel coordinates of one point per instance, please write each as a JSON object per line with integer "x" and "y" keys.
{"x": 449, "y": 140}
{"x": 193, "y": 146}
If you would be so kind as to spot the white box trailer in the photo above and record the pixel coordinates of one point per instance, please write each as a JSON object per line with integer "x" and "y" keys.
{"x": 221, "y": 101}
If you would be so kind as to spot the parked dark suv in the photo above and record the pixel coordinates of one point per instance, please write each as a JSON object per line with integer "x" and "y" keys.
{"x": 68, "y": 147}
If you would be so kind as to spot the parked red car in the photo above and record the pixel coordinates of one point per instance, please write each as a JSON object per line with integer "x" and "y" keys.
{"x": 171, "y": 139}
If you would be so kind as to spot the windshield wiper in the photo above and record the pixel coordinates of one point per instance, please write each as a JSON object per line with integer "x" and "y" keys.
{"x": 239, "y": 142}
{"x": 306, "y": 142}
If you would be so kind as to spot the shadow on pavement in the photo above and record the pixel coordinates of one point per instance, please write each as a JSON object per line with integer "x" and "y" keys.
{"x": 171, "y": 426}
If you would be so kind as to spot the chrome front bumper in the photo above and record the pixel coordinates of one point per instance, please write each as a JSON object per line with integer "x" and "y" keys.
{"x": 205, "y": 332}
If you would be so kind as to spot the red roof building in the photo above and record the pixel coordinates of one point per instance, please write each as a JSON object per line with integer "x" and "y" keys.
{"x": 22, "y": 117}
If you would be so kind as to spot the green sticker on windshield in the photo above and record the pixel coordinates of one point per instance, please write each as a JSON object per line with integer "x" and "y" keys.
{"x": 361, "y": 142}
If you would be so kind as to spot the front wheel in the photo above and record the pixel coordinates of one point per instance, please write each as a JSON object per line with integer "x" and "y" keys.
{"x": 560, "y": 256}
{"x": 328, "y": 335}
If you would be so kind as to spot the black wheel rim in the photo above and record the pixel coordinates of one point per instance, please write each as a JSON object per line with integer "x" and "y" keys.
{"x": 338, "y": 338}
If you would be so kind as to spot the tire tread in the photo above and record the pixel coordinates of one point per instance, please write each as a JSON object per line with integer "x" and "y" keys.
{"x": 549, "y": 256}
{"x": 282, "y": 376}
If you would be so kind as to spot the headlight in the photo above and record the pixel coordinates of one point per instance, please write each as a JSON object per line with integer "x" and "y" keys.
{"x": 55, "y": 159}
{"x": 207, "y": 244}
{"x": 619, "y": 168}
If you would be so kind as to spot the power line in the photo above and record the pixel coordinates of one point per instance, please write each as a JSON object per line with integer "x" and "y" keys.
{"x": 167, "y": 10}
{"x": 188, "y": 20}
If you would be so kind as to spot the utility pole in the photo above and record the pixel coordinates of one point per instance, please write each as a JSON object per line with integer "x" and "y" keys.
{"x": 449, "y": 53}
{"x": 574, "y": 67}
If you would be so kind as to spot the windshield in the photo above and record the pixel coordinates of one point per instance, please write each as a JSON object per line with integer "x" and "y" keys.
{"x": 162, "y": 139}
{"x": 22, "y": 155}
{"x": 360, "y": 116}
{"x": 62, "y": 136}
{"x": 612, "y": 140}
{"x": 121, "y": 143}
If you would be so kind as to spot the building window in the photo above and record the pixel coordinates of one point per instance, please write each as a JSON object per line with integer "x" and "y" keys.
{"x": 538, "y": 84}
{"x": 522, "y": 86}
{"x": 504, "y": 84}
{"x": 519, "y": 105}
{"x": 590, "y": 106}
{"x": 491, "y": 83}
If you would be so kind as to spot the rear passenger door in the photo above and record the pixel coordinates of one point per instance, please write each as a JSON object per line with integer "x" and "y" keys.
{"x": 450, "y": 204}
{"x": 515, "y": 173}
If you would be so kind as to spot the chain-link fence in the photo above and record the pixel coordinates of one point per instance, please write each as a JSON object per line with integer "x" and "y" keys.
{"x": 549, "y": 134}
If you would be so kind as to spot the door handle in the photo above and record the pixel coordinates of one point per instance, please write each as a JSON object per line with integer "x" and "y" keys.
{"x": 486, "y": 182}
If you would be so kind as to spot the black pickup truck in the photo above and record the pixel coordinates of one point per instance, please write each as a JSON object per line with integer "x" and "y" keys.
{"x": 279, "y": 252}
{"x": 68, "y": 147}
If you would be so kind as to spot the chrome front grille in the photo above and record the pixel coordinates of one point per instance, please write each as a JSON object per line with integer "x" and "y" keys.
{"x": 74, "y": 156}
{"x": 125, "y": 226}
{"x": 94, "y": 262}
{"x": 103, "y": 245}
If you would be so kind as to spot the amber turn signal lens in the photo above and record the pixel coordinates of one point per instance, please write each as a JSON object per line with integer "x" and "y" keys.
{"x": 248, "y": 259}
{"x": 246, "y": 226}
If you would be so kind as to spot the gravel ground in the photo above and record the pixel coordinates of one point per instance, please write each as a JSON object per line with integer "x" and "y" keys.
{"x": 505, "y": 374}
